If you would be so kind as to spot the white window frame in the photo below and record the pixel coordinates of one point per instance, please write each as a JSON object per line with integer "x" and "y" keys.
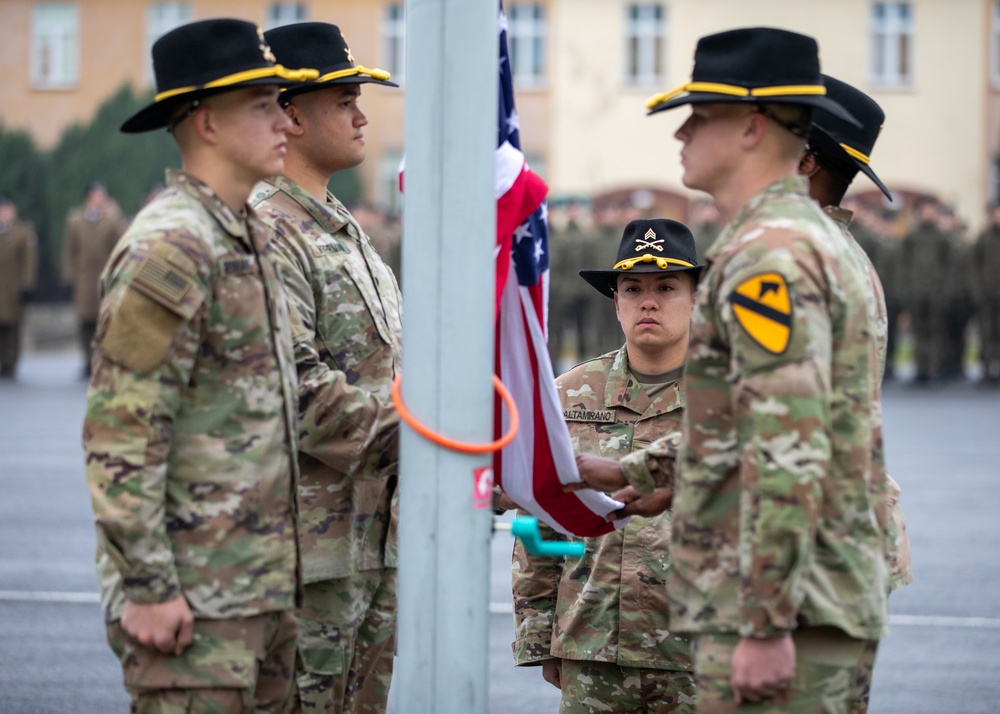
{"x": 394, "y": 41}
{"x": 285, "y": 13}
{"x": 645, "y": 44}
{"x": 527, "y": 43}
{"x": 55, "y": 45}
{"x": 161, "y": 18}
{"x": 893, "y": 33}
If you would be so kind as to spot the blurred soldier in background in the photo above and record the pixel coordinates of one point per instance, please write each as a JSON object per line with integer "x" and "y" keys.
{"x": 705, "y": 223}
{"x": 18, "y": 268}
{"x": 600, "y": 331}
{"x": 90, "y": 235}
{"x": 571, "y": 243}
{"x": 959, "y": 304}
{"x": 985, "y": 274}
{"x": 926, "y": 258}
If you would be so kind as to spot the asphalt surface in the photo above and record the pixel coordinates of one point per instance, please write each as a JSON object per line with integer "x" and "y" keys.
{"x": 943, "y": 654}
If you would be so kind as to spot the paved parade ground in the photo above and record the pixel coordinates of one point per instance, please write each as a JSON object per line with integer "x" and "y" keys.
{"x": 943, "y": 446}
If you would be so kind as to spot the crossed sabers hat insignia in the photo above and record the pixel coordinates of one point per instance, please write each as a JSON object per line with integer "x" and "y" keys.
{"x": 647, "y": 242}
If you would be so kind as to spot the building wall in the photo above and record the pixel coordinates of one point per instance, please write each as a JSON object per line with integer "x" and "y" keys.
{"x": 938, "y": 136}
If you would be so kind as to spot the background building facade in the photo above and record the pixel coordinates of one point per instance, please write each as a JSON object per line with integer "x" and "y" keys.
{"x": 583, "y": 69}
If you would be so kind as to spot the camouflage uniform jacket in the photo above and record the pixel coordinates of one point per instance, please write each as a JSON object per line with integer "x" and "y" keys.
{"x": 890, "y": 512}
{"x": 189, "y": 428}
{"x": 611, "y": 604}
{"x": 347, "y": 347}
{"x": 775, "y": 521}
{"x": 18, "y": 268}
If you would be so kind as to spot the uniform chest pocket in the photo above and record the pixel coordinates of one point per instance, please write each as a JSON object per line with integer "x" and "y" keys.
{"x": 239, "y": 315}
{"x": 350, "y": 319}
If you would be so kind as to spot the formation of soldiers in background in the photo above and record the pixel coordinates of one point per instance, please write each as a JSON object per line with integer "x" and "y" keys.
{"x": 939, "y": 281}
{"x": 939, "y": 278}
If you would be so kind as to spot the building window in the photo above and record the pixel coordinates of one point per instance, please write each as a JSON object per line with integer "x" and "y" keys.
{"x": 55, "y": 41}
{"x": 394, "y": 41}
{"x": 526, "y": 40}
{"x": 892, "y": 44}
{"x": 285, "y": 13}
{"x": 645, "y": 25}
{"x": 161, "y": 18}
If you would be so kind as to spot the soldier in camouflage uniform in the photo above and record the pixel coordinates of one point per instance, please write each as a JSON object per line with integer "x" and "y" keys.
{"x": 189, "y": 432}
{"x": 778, "y": 557}
{"x": 18, "y": 267}
{"x": 599, "y": 625}
{"x": 778, "y": 554}
{"x": 90, "y": 235}
{"x": 837, "y": 150}
{"x": 925, "y": 256}
{"x": 985, "y": 269}
{"x": 350, "y": 305}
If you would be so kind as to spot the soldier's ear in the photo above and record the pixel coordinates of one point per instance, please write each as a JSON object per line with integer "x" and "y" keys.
{"x": 808, "y": 164}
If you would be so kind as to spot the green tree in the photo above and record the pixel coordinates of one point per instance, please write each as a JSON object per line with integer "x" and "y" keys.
{"x": 346, "y": 186}
{"x": 129, "y": 165}
{"x": 23, "y": 177}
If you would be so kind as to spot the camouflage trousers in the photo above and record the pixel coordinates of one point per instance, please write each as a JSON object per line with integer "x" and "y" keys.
{"x": 347, "y": 639}
{"x": 238, "y": 666}
{"x": 606, "y": 688}
{"x": 826, "y": 661}
{"x": 861, "y": 685}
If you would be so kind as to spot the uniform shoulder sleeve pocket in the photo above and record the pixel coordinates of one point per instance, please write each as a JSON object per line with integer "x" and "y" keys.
{"x": 159, "y": 299}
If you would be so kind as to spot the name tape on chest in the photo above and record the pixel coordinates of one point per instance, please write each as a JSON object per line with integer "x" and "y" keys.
{"x": 329, "y": 249}
{"x": 763, "y": 308}
{"x": 239, "y": 266}
{"x": 600, "y": 416}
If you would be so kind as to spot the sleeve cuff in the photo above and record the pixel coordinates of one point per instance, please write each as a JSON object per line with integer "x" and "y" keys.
{"x": 636, "y": 471}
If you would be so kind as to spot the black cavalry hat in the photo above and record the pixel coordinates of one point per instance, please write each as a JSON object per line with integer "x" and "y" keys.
{"x": 840, "y": 143}
{"x": 321, "y": 46}
{"x": 208, "y": 57}
{"x": 753, "y": 65}
{"x": 651, "y": 245}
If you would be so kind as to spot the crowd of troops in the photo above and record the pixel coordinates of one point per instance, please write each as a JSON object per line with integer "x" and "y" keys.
{"x": 937, "y": 278}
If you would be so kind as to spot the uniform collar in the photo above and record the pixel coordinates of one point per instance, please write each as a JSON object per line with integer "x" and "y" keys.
{"x": 624, "y": 390}
{"x": 839, "y": 214}
{"x": 235, "y": 224}
{"x": 331, "y": 216}
{"x": 795, "y": 185}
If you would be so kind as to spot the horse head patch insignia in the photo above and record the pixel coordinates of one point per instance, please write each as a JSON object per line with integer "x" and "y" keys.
{"x": 763, "y": 308}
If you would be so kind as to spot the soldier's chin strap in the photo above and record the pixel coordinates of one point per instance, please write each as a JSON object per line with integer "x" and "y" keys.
{"x": 453, "y": 444}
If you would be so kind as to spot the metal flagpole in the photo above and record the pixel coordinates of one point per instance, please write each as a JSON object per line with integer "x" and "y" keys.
{"x": 449, "y": 234}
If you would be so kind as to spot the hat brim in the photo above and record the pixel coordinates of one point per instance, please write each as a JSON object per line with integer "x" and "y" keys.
{"x": 157, "y": 115}
{"x": 306, "y": 87}
{"x": 810, "y": 100}
{"x": 824, "y": 142}
{"x": 605, "y": 281}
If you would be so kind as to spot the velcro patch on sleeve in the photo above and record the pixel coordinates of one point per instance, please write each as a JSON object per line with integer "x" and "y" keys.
{"x": 140, "y": 332}
{"x": 763, "y": 308}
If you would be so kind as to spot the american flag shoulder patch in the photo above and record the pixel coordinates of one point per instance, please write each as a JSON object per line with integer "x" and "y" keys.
{"x": 162, "y": 279}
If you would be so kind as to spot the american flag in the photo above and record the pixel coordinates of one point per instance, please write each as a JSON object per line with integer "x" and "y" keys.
{"x": 535, "y": 466}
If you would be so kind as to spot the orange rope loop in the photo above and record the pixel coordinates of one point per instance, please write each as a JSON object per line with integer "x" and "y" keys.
{"x": 454, "y": 444}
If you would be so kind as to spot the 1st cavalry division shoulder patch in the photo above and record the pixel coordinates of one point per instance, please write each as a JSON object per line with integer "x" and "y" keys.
{"x": 763, "y": 308}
